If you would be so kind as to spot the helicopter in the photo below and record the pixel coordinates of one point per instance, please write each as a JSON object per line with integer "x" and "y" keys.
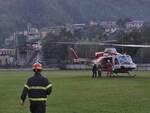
{"x": 122, "y": 63}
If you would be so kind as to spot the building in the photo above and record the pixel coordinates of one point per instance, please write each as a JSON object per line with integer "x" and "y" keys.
{"x": 134, "y": 24}
{"x": 52, "y": 29}
{"x": 32, "y": 34}
{"x": 93, "y": 23}
{"x": 79, "y": 26}
{"x": 109, "y": 26}
{"x": 7, "y": 57}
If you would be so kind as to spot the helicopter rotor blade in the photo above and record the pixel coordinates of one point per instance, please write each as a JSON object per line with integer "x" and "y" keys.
{"x": 105, "y": 44}
{"x": 80, "y": 43}
{"x": 130, "y": 45}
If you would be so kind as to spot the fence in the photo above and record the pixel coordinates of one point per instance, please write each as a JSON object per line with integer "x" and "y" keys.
{"x": 140, "y": 67}
{"x": 143, "y": 67}
{"x": 77, "y": 66}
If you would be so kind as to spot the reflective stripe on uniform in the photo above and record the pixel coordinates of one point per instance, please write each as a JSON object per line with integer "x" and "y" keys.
{"x": 26, "y": 86}
{"x": 50, "y": 85}
{"x": 38, "y": 99}
{"x": 38, "y": 87}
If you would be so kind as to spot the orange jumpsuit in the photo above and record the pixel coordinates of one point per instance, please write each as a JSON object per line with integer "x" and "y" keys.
{"x": 109, "y": 69}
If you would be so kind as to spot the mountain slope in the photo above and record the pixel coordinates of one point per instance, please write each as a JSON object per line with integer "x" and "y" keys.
{"x": 15, "y": 14}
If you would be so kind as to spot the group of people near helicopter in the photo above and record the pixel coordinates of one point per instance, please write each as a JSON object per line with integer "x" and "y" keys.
{"x": 97, "y": 69}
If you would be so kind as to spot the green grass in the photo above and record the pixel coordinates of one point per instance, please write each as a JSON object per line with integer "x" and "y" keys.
{"x": 77, "y": 92}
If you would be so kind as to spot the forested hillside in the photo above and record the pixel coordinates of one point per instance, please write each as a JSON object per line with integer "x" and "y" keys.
{"x": 15, "y": 14}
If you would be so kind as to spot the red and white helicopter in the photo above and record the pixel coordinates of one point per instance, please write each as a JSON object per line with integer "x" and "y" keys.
{"x": 122, "y": 63}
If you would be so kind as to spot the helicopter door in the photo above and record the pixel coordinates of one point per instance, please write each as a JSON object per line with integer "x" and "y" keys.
{"x": 104, "y": 63}
{"x": 116, "y": 64}
{"x": 116, "y": 61}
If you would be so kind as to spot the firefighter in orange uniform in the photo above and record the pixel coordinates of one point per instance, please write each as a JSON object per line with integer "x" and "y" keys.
{"x": 109, "y": 68}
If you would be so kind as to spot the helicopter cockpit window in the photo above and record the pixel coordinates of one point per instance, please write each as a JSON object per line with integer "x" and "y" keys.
{"x": 125, "y": 59}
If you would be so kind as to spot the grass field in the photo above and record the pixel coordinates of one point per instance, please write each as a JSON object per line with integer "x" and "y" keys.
{"x": 77, "y": 92}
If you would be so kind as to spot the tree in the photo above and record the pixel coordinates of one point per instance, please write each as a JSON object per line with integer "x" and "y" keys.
{"x": 56, "y": 53}
{"x": 134, "y": 37}
{"x": 122, "y": 22}
{"x": 21, "y": 40}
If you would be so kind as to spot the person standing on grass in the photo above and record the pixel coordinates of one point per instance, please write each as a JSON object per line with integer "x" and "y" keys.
{"x": 94, "y": 70}
{"x": 37, "y": 88}
{"x": 109, "y": 68}
{"x": 99, "y": 70}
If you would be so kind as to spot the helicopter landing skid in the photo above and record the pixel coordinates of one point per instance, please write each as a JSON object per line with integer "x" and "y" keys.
{"x": 131, "y": 75}
{"x": 128, "y": 75}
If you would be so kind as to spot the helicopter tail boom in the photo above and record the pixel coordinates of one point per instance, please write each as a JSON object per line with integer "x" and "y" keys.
{"x": 74, "y": 54}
